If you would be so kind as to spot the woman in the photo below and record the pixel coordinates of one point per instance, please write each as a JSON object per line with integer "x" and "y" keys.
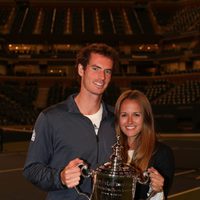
{"x": 135, "y": 125}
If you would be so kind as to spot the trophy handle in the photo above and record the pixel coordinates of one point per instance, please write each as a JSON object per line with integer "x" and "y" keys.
{"x": 86, "y": 173}
{"x": 144, "y": 178}
{"x": 81, "y": 193}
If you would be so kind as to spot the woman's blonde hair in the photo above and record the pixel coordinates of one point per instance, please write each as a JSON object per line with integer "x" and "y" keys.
{"x": 145, "y": 141}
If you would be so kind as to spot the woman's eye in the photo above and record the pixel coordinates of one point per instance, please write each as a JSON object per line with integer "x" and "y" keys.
{"x": 137, "y": 114}
{"x": 123, "y": 115}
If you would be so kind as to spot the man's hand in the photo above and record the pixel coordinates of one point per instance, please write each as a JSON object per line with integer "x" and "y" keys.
{"x": 70, "y": 175}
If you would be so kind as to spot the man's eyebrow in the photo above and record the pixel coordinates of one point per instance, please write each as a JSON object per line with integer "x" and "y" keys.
{"x": 94, "y": 65}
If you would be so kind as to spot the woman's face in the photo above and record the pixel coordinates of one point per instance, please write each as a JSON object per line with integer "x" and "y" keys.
{"x": 130, "y": 118}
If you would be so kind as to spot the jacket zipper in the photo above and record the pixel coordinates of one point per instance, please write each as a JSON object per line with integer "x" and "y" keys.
{"x": 97, "y": 139}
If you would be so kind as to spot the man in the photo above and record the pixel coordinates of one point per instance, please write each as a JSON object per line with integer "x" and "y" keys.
{"x": 80, "y": 129}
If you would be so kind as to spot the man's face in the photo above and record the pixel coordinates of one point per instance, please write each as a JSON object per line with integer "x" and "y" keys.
{"x": 97, "y": 74}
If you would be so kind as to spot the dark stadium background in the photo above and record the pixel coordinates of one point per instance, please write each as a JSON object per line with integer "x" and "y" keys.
{"x": 159, "y": 49}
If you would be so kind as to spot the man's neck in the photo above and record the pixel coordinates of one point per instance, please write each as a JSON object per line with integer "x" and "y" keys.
{"x": 88, "y": 104}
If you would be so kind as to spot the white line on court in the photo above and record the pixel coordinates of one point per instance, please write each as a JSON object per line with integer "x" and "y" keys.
{"x": 10, "y": 170}
{"x": 185, "y": 192}
{"x": 185, "y": 172}
{"x": 198, "y": 177}
{"x": 179, "y": 135}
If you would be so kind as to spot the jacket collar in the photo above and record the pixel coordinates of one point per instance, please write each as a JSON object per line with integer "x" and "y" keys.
{"x": 70, "y": 106}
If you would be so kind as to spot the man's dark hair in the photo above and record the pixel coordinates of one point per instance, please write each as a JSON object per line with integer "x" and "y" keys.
{"x": 84, "y": 54}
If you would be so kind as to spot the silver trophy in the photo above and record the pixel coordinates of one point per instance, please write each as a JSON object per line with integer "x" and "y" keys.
{"x": 114, "y": 180}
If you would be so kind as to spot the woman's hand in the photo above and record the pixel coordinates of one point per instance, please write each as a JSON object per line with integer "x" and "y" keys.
{"x": 157, "y": 181}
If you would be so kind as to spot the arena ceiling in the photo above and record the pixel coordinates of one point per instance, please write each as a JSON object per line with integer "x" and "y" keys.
{"x": 162, "y": 8}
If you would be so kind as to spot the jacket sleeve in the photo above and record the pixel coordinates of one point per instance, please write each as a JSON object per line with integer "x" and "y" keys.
{"x": 37, "y": 167}
{"x": 164, "y": 163}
